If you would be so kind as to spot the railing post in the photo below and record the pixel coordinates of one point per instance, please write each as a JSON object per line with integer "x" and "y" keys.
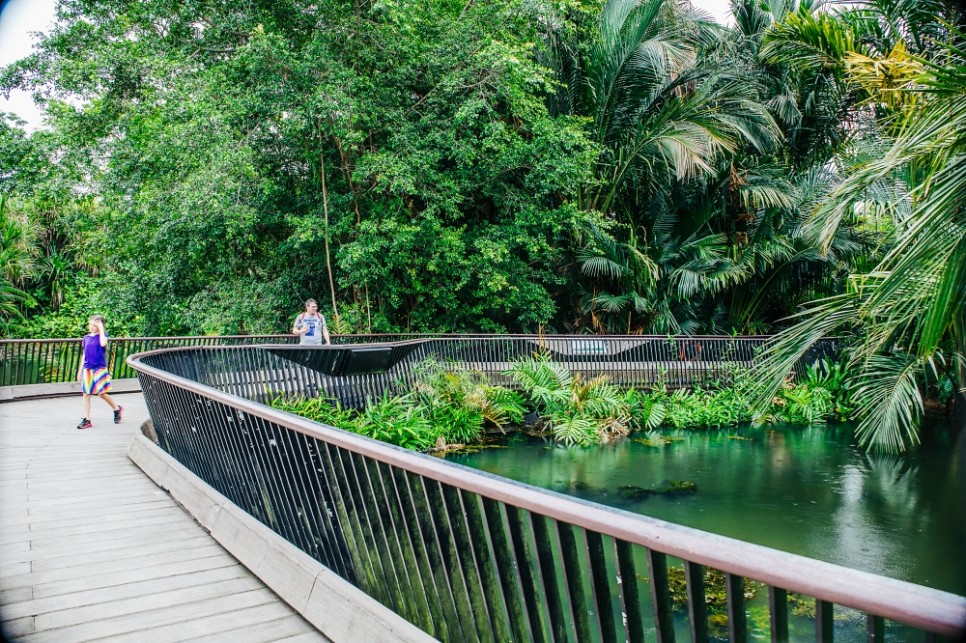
{"x": 737, "y": 623}
{"x": 697, "y": 607}
{"x": 661, "y": 595}
{"x": 778, "y": 607}
{"x": 824, "y": 625}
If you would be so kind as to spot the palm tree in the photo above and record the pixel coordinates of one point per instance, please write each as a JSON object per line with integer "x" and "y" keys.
{"x": 909, "y": 313}
{"x": 18, "y": 264}
{"x": 661, "y": 118}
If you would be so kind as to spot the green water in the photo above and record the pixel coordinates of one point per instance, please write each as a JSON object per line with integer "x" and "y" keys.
{"x": 808, "y": 491}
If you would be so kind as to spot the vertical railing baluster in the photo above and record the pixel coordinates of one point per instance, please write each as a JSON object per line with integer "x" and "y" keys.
{"x": 574, "y": 574}
{"x": 432, "y": 568}
{"x": 335, "y": 514}
{"x": 824, "y": 621}
{"x": 661, "y": 596}
{"x": 506, "y": 570}
{"x": 876, "y": 629}
{"x": 460, "y": 559}
{"x": 539, "y": 625}
{"x": 449, "y": 557}
{"x": 366, "y": 505}
{"x": 737, "y": 621}
{"x": 381, "y": 513}
{"x": 404, "y": 531}
{"x": 493, "y": 601}
{"x": 697, "y": 607}
{"x": 778, "y": 607}
{"x": 312, "y": 502}
{"x": 601, "y": 582}
{"x": 630, "y": 594}
{"x": 350, "y": 517}
{"x": 559, "y": 626}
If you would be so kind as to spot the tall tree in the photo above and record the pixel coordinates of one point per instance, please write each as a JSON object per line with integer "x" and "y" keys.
{"x": 908, "y": 312}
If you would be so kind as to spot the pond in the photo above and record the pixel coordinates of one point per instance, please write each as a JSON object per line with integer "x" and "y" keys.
{"x": 805, "y": 490}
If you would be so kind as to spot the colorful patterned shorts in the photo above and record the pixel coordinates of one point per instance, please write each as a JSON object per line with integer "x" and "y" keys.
{"x": 96, "y": 381}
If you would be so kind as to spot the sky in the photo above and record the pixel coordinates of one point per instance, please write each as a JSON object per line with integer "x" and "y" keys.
{"x": 20, "y": 17}
{"x": 17, "y": 19}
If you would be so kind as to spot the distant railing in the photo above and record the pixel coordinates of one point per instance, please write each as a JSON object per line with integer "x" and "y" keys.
{"x": 53, "y": 361}
{"x": 631, "y": 358}
{"x": 468, "y": 556}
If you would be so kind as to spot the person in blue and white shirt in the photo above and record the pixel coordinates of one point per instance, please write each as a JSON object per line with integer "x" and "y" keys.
{"x": 311, "y": 326}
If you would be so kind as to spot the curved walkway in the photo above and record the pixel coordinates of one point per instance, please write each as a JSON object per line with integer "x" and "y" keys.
{"x": 91, "y": 549}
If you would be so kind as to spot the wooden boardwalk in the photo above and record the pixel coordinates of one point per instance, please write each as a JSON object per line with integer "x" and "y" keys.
{"x": 91, "y": 549}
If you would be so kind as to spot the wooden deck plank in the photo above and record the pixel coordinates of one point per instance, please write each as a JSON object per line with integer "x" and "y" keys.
{"x": 125, "y": 498}
{"x": 132, "y": 607}
{"x": 104, "y": 498}
{"x": 91, "y": 548}
{"x": 37, "y": 521}
{"x": 114, "y": 569}
{"x": 143, "y": 622}
{"x": 104, "y": 597}
{"x": 54, "y": 587}
{"x": 134, "y": 550}
{"x": 105, "y": 523}
{"x": 282, "y": 629}
{"x": 240, "y": 620}
{"x": 22, "y": 552}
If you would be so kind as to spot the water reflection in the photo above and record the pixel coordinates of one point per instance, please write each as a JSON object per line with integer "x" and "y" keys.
{"x": 806, "y": 490}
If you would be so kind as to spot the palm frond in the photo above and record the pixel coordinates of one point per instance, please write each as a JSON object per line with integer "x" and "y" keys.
{"x": 891, "y": 401}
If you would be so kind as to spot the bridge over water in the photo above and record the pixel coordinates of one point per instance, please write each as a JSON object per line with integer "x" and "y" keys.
{"x": 354, "y": 533}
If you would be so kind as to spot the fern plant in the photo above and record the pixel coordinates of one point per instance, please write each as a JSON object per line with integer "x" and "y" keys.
{"x": 572, "y": 410}
{"x": 463, "y": 400}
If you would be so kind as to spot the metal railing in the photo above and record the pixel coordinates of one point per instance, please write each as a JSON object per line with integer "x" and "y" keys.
{"x": 52, "y": 361}
{"x": 468, "y": 556}
{"x": 675, "y": 360}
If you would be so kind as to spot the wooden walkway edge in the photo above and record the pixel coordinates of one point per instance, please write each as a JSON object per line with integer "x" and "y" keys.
{"x": 92, "y": 549}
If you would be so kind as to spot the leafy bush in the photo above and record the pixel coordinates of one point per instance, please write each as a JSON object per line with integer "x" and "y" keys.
{"x": 459, "y": 396}
{"x": 574, "y": 411}
{"x": 449, "y": 406}
{"x": 445, "y": 406}
{"x": 801, "y": 404}
{"x": 831, "y": 376}
{"x": 647, "y": 410}
{"x": 398, "y": 421}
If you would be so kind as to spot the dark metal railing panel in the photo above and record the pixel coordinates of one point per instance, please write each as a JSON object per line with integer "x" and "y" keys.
{"x": 697, "y": 607}
{"x": 627, "y": 360}
{"x": 735, "y": 594}
{"x": 425, "y": 539}
{"x": 661, "y": 596}
{"x": 630, "y": 598}
{"x": 465, "y": 555}
{"x": 49, "y": 361}
{"x": 549, "y": 584}
{"x": 778, "y": 608}
{"x": 523, "y": 554}
{"x": 261, "y": 374}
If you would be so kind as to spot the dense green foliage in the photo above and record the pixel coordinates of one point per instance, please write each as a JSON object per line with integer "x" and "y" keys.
{"x": 443, "y": 407}
{"x": 618, "y": 166}
{"x": 508, "y": 165}
{"x": 448, "y": 406}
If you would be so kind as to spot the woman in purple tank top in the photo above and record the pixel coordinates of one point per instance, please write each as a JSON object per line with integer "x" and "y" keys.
{"x": 94, "y": 375}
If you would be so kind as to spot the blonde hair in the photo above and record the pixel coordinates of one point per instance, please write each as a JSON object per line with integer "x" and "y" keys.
{"x": 96, "y": 318}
